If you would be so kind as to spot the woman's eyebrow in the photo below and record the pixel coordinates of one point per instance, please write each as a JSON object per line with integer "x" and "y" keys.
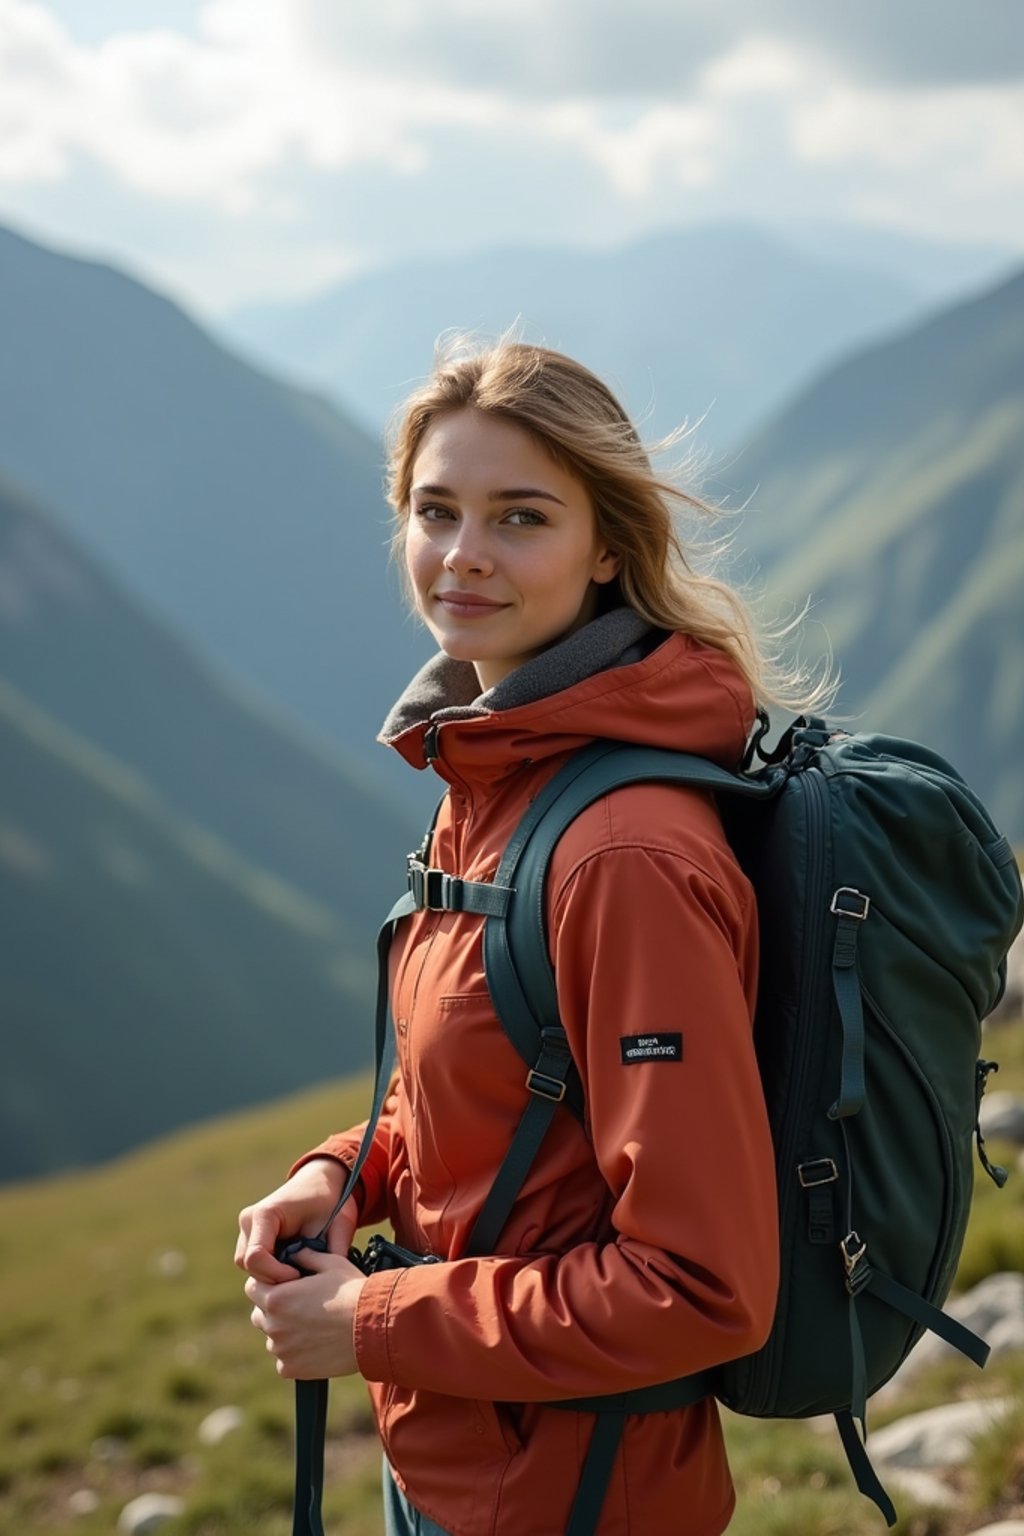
{"x": 519, "y": 492}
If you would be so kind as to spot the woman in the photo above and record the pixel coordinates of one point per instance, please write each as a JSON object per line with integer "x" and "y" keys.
{"x": 539, "y": 550}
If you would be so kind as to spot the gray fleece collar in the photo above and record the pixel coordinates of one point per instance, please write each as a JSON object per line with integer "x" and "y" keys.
{"x": 444, "y": 689}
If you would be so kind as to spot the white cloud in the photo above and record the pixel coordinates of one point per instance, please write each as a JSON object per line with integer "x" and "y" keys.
{"x": 288, "y": 142}
{"x": 917, "y": 131}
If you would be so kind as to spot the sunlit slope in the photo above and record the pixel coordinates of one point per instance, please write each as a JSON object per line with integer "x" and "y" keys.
{"x": 151, "y": 975}
{"x": 892, "y": 494}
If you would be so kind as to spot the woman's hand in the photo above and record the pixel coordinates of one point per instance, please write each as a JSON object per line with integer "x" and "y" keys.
{"x": 298, "y": 1208}
{"x": 309, "y": 1322}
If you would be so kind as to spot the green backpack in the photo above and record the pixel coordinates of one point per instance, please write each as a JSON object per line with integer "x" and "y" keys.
{"x": 887, "y": 902}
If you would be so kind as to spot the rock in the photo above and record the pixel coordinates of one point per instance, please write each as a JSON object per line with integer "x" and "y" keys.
{"x": 1011, "y": 1007}
{"x": 108, "y": 1448}
{"x": 1002, "y": 1117}
{"x": 84, "y": 1501}
{"x": 148, "y": 1513}
{"x": 219, "y": 1424}
{"x": 938, "y": 1437}
{"x": 994, "y": 1309}
{"x": 924, "y": 1487}
{"x": 170, "y": 1264}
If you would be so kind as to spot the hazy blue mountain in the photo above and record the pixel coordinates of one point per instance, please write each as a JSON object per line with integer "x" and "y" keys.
{"x": 892, "y": 491}
{"x": 247, "y": 514}
{"x": 75, "y": 645}
{"x": 723, "y": 317}
{"x": 946, "y": 272}
{"x": 151, "y": 976}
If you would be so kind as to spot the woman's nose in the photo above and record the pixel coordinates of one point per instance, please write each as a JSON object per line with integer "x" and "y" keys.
{"x": 468, "y": 552}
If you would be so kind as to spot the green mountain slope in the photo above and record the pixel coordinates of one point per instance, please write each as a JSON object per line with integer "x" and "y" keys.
{"x": 151, "y": 975}
{"x": 81, "y": 650}
{"x": 245, "y": 513}
{"x": 892, "y": 494}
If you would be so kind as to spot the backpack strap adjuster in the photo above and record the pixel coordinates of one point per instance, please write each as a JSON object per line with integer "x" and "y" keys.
{"x": 845, "y": 910}
{"x": 821, "y": 1170}
{"x": 546, "y": 1087}
{"x": 435, "y": 891}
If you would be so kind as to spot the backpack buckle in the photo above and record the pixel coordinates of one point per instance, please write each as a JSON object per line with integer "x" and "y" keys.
{"x": 431, "y": 888}
{"x": 853, "y": 1248}
{"x": 546, "y": 1087}
{"x": 821, "y": 1170}
{"x": 849, "y": 911}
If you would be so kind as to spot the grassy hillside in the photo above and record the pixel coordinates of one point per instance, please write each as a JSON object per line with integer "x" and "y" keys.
{"x": 124, "y": 1324}
{"x": 151, "y": 975}
{"x": 892, "y": 494}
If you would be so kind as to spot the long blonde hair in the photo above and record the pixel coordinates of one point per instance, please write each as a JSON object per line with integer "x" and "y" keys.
{"x": 577, "y": 419}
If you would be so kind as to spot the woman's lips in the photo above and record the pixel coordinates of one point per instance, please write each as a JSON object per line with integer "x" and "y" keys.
{"x": 465, "y": 605}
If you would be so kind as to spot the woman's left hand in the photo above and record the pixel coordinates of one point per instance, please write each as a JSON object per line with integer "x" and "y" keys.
{"x": 309, "y": 1322}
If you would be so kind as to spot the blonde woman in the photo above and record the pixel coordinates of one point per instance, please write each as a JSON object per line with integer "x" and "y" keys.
{"x": 540, "y": 553}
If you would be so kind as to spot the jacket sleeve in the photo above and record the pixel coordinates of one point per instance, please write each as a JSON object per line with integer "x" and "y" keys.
{"x": 646, "y": 943}
{"x": 371, "y": 1191}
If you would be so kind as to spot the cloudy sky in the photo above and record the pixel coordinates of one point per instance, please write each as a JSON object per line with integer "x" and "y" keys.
{"x": 231, "y": 150}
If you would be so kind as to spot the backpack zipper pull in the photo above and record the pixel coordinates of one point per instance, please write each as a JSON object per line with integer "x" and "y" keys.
{"x": 998, "y": 1175}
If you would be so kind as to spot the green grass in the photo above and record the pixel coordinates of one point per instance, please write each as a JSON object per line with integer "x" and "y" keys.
{"x": 111, "y": 1355}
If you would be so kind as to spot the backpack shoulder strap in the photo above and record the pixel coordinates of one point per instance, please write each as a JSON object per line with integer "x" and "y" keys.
{"x": 517, "y": 969}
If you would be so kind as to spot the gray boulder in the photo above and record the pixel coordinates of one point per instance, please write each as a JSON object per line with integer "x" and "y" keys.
{"x": 1002, "y": 1117}
{"x": 219, "y": 1424}
{"x": 924, "y": 1487}
{"x": 994, "y": 1308}
{"x": 148, "y": 1513}
{"x": 938, "y": 1437}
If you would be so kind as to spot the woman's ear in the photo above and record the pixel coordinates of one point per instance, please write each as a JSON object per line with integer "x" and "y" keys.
{"x": 607, "y": 566}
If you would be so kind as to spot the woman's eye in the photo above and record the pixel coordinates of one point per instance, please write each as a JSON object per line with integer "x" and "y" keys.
{"x": 526, "y": 517}
{"x": 432, "y": 513}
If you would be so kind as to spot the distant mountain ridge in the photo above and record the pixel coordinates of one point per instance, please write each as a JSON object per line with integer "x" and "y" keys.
{"x": 724, "y": 319}
{"x": 247, "y": 514}
{"x": 892, "y": 491}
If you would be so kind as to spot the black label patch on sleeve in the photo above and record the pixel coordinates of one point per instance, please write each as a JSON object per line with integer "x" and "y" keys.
{"x": 661, "y": 1047}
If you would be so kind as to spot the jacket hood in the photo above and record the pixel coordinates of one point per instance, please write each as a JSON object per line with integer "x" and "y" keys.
{"x": 616, "y": 678}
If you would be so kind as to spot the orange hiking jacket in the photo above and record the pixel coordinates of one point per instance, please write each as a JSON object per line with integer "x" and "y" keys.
{"x": 643, "y": 1246}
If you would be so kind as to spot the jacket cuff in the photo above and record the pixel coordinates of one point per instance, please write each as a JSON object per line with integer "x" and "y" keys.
{"x": 370, "y": 1334}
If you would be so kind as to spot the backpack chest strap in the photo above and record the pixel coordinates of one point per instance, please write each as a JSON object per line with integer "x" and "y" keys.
{"x": 434, "y": 891}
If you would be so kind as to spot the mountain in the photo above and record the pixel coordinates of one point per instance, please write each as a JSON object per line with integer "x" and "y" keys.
{"x": 80, "y": 649}
{"x": 151, "y": 975}
{"x": 723, "y": 317}
{"x": 246, "y": 514}
{"x": 892, "y": 492}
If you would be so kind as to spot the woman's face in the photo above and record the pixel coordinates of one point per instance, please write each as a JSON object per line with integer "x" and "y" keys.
{"x": 501, "y": 543}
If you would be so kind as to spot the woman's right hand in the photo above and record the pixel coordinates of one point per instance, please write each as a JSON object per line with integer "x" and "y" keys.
{"x": 298, "y": 1208}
